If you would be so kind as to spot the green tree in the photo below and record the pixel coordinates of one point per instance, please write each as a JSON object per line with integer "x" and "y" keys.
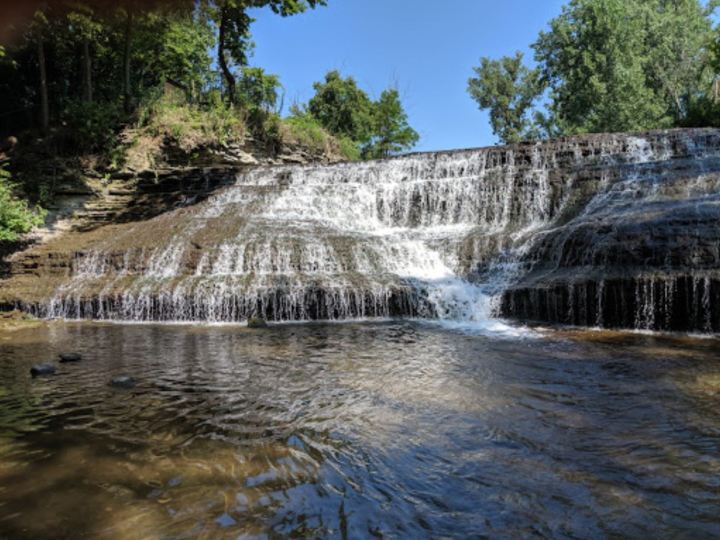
{"x": 174, "y": 47}
{"x": 82, "y": 21}
{"x": 608, "y": 65}
{"x": 342, "y": 107}
{"x": 679, "y": 63}
{"x": 622, "y": 65}
{"x": 391, "y": 131}
{"x": 258, "y": 89}
{"x": 507, "y": 89}
{"x": 233, "y": 22}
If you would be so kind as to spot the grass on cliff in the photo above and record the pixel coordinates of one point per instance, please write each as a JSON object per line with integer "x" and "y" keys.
{"x": 168, "y": 117}
{"x": 303, "y": 129}
{"x": 191, "y": 125}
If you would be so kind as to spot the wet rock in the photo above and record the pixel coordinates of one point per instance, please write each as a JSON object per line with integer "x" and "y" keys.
{"x": 226, "y": 520}
{"x": 607, "y": 230}
{"x": 123, "y": 381}
{"x": 69, "y": 357}
{"x": 257, "y": 322}
{"x": 42, "y": 370}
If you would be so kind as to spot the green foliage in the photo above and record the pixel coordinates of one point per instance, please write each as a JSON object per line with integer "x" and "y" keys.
{"x": 168, "y": 114}
{"x": 233, "y": 23}
{"x": 303, "y": 129}
{"x": 378, "y": 129}
{"x": 342, "y": 107}
{"x": 348, "y": 149}
{"x": 257, "y": 89}
{"x": 306, "y": 130}
{"x": 608, "y": 65}
{"x": 16, "y": 216}
{"x": 92, "y": 127}
{"x": 82, "y": 23}
{"x": 391, "y": 132}
{"x": 174, "y": 47}
{"x": 508, "y": 89}
{"x": 594, "y": 60}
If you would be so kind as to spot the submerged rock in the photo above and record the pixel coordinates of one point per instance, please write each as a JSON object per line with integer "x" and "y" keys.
{"x": 122, "y": 381}
{"x": 41, "y": 370}
{"x": 257, "y": 322}
{"x": 70, "y": 357}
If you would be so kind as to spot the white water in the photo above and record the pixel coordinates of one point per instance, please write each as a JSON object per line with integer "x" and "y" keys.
{"x": 403, "y": 237}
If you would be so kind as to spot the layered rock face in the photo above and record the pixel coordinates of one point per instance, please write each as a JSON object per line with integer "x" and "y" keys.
{"x": 606, "y": 230}
{"x": 642, "y": 252}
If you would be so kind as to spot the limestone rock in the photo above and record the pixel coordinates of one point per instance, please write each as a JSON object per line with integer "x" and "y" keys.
{"x": 42, "y": 370}
{"x": 123, "y": 381}
{"x": 69, "y": 357}
{"x": 257, "y": 322}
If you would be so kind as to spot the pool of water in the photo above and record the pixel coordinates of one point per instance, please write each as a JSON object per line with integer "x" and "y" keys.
{"x": 387, "y": 430}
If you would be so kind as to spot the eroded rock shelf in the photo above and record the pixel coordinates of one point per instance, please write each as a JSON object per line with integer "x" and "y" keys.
{"x": 615, "y": 230}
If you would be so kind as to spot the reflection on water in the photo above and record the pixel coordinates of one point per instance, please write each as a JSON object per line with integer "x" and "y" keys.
{"x": 357, "y": 430}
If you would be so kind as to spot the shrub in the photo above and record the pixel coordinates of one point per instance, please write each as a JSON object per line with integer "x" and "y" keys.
{"x": 16, "y": 216}
{"x": 306, "y": 130}
{"x": 169, "y": 114}
{"x": 91, "y": 127}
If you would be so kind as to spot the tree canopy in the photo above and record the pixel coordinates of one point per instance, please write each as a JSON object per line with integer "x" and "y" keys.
{"x": 508, "y": 89}
{"x": 603, "y": 65}
{"x": 379, "y": 128}
{"x": 391, "y": 131}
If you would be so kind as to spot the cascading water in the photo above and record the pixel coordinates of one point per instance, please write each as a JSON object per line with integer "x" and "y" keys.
{"x": 377, "y": 239}
{"x": 438, "y": 235}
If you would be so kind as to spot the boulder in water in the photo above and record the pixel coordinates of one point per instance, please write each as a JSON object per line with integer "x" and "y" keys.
{"x": 257, "y": 322}
{"x": 123, "y": 381}
{"x": 41, "y": 370}
{"x": 70, "y": 357}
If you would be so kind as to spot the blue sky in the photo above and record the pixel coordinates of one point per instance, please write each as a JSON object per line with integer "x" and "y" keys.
{"x": 425, "y": 48}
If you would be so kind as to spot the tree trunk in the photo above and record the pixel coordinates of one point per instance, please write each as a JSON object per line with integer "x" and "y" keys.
{"x": 126, "y": 61}
{"x": 87, "y": 73}
{"x": 44, "y": 105}
{"x": 222, "y": 62}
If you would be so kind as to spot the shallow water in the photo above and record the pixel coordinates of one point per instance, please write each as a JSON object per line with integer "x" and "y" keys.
{"x": 396, "y": 429}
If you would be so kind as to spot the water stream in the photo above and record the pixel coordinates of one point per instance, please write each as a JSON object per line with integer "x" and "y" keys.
{"x": 357, "y": 430}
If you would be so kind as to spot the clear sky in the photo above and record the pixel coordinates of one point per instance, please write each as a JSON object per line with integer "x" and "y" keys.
{"x": 425, "y": 48}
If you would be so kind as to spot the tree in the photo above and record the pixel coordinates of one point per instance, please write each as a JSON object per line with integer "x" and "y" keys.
{"x": 608, "y": 65}
{"x": 174, "y": 47}
{"x": 391, "y": 131}
{"x": 257, "y": 89}
{"x": 377, "y": 128}
{"x": 36, "y": 33}
{"x": 82, "y": 21}
{"x": 678, "y": 56}
{"x": 622, "y": 65}
{"x": 342, "y": 107}
{"x": 134, "y": 10}
{"x": 508, "y": 89}
{"x": 233, "y": 22}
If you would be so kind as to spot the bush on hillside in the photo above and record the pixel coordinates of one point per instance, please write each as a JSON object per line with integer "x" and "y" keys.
{"x": 16, "y": 216}
{"x": 305, "y": 130}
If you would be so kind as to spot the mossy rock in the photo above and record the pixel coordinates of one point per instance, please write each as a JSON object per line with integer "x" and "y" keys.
{"x": 257, "y": 322}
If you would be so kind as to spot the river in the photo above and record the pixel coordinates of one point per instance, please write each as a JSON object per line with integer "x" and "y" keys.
{"x": 349, "y": 430}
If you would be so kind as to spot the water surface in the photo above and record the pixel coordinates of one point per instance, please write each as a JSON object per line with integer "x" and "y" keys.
{"x": 389, "y": 430}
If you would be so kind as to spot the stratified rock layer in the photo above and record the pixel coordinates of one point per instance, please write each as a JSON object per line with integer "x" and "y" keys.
{"x": 643, "y": 252}
{"x": 601, "y": 230}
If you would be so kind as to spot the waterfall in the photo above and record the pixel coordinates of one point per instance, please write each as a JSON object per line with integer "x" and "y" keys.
{"x": 437, "y": 235}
